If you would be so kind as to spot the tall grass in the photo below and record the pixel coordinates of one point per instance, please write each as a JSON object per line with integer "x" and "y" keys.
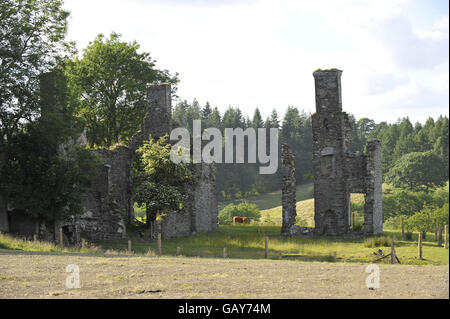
{"x": 17, "y": 243}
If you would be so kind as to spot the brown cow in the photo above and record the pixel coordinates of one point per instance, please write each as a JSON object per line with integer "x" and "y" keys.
{"x": 240, "y": 220}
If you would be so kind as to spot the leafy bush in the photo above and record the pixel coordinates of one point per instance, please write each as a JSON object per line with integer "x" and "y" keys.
{"x": 394, "y": 222}
{"x": 408, "y": 235}
{"x": 40, "y": 179}
{"x": 407, "y": 203}
{"x": 243, "y": 209}
{"x": 423, "y": 221}
{"x": 359, "y": 225}
{"x": 377, "y": 242}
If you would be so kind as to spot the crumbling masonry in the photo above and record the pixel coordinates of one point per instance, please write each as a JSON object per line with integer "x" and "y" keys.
{"x": 108, "y": 206}
{"x": 337, "y": 172}
{"x": 288, "y": 189}
{"x": 199, "y": 212}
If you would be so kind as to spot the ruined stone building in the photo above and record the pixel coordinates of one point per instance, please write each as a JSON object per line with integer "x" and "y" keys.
{"x": 108, "y": 206}
{"x": 288, "y": 189}
{"x": 337, "y": 172}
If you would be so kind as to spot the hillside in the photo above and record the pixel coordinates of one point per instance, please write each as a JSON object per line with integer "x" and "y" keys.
{"x": 273, "y": 199}
{"x": 305, "y": 212}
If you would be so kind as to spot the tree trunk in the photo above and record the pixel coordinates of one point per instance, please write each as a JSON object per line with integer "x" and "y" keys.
{"x": 150, "y": 216}
{"x": 4, "y": 225}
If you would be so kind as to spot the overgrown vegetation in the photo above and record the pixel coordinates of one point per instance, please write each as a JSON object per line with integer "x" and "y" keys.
{"x": 14, "y": 243}
{"x": 45, "y": 174}
{"x": 243, "y": 209}
{"x": 159, "y": 183}
{"x": 418, "y": 209}
{"x": 377, "y": 242}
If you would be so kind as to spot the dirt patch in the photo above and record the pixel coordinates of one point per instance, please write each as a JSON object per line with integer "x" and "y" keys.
{"x": 34, "y": 275}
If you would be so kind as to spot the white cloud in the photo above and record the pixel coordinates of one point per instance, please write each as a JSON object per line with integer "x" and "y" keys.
{"x": 409, "y": 48}
{"x": 383, "y": 82}
{"x": 262, "y": 53}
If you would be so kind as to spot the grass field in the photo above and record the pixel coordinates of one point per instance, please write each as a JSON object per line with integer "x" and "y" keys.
{"x": 305, "y": 212}
{"x": 247, "y": 242}
{"x": 273, "y": 199}
{"x": 15, "y": 243}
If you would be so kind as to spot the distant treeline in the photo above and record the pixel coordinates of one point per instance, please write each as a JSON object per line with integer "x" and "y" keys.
{"x": 242, "y": 180}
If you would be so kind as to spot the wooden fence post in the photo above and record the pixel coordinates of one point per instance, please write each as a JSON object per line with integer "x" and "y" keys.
{"x": 403, "y": 228}
{"x": 440, "y": 237}
{"x": 61, "y": 237}
{"x": 435, "y": 229}
{"x": 266, "y": 247}
{"x": 446, "y": 236}
{"x": 392, "y": 251}
{"x": 334, "y": 256}
{"x": 159, "y": 245}
{"x": 419, "y": 244}
{"x": 178, "y": 251}
{"x": 34, "y": 237}
{"x": 83, "y": 242}
{"x": 225, "y": 254}
{"x": 129, "y": 245}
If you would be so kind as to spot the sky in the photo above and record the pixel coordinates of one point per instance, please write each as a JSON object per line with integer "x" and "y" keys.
{"x": 256, "y": 53}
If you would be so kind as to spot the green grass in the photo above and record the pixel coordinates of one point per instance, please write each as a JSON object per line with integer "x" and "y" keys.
{"x": 247, "y": 242}
{"x": 305, "y": 212}
{"x": 15, "y": 243}
{"x": 377, "y": 242}
{"x": 273, "y": 199}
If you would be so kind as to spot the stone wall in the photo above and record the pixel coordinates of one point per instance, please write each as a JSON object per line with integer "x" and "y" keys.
{"x": 205, "y": 208}
{"x": 337, "y": 172}
{"x": 288, "y": 189}
{"x": 158, "y": 118}
{"x": 121, "y": 190}
{"x": 103, "y": 218}
{"x": 108, "y": 205}
{"x": 373, "y": 208}
{"x": 200, "y": 212}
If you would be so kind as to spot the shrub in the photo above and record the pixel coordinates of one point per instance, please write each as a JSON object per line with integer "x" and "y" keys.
{"x": 423, "y": 221}
{"x": 359, "y": 225}
{"x": 243, "y": 209}
{"x": 377, "y": 242}
{"x": 408, "y": 235}
{"x": 394, "y": 222}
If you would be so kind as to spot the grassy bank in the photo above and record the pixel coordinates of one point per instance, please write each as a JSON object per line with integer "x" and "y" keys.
{"x": 273, "y": 199}
{"x": 15, "y": 243}
{"x": 247, "y": 242}
{"x": 305, "y": 212}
